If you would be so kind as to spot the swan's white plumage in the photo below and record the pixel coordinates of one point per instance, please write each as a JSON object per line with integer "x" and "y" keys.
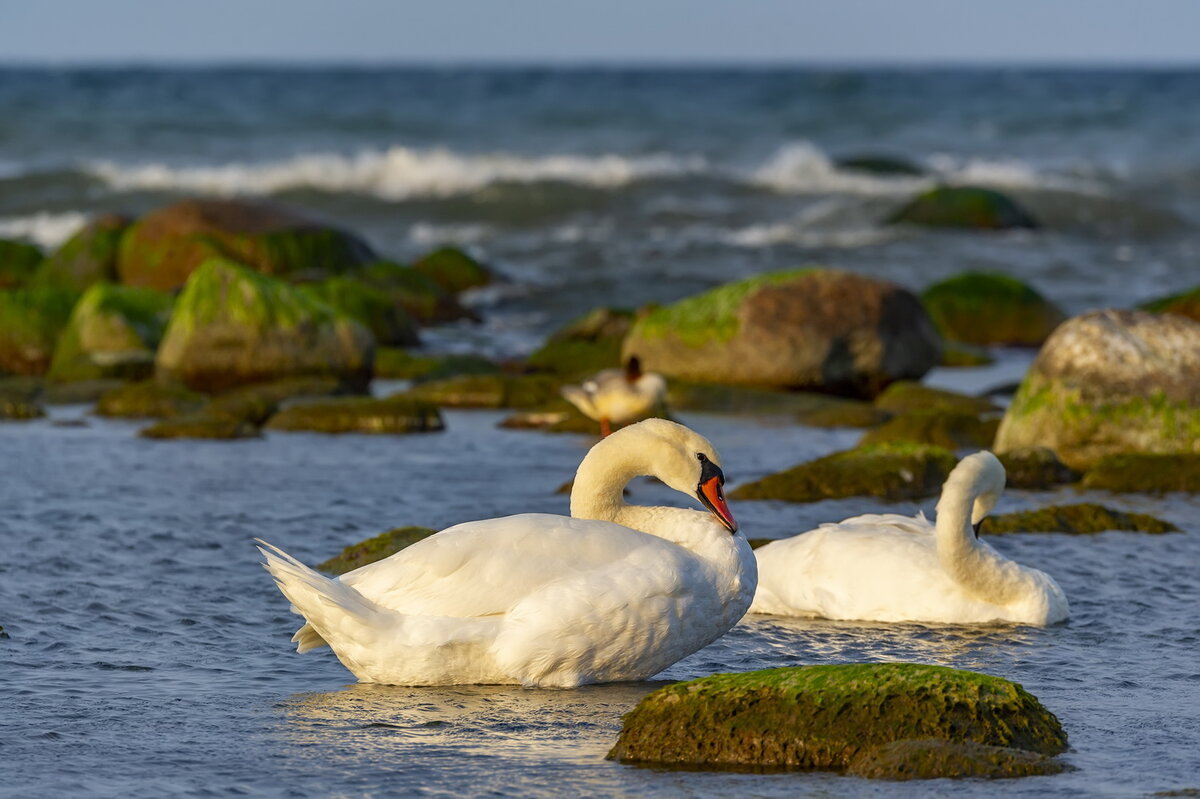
{"x": 618, "y": 395}
{"x": 888, "y": 567}
{"x": 539, "y": 599}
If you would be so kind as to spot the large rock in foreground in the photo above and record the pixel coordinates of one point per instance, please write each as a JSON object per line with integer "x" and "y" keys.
{"x": 1110, "y": 382}
{"x": 113, "y": 333}
{"x": 163, "y": 248}
{"x": 931, "y": 759}
{"x": 964, "y": 207}
{"x": 989, "y": 308}
{"x": 234, "y": 326}
{"x": 809, "y": 328}
{"x": 822, "y": 717}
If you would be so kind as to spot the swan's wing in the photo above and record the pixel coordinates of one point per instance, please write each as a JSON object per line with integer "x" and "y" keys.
{"x": 877, "y": 522}
{"x": 582, "y": 398}
{"x": 485, "y": 567}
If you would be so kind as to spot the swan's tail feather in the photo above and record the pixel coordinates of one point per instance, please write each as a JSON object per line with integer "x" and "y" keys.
{"x": 581, "y": 399}
{"x": 331, "y": 608}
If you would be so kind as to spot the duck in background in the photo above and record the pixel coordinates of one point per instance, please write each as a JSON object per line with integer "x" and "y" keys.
{"x": 619, "y": 396}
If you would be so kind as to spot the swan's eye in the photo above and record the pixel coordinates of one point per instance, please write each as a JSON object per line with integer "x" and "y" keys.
{"x": 700, "y": 456}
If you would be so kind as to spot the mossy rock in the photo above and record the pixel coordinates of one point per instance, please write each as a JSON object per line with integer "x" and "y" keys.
{"x": 18, "y": 262}
{"x": 16, "y": 409}
{"x": 1145, "y": 473}
{"x": 931, "y": 759}
{"x": 1110, "y": 382}
{"x": 488, "y": 391}
{"x": 714, "y": 398}
{"x": 945, "y": 429}
{"x": 1081, "y": 519}
{"x": 823, "y": 329}
{"x": 392, "y": 415}
{"x": 201, "y": 425}
{"x": 233, "y": 326}
{"x": 822, "y": 717}
{"x": 957, "y": 355}
{"x": 844, "y": 413}
{"x": 113, "y": 332}
{"x": 88, "y": 257}
{"x": 906, "y": 396}
{"x": 257, "y": 402}
{"x": 377, "y": 548}
{"x": 398, "y": 364}
{"x": 586, "y": 345}
{"x": 882, "y": 165}
{"x": 984, "y": 308}
{"x": 890, "y": 471}
{"x": 453, "y": 270}
{"x": 373, "y": 309}
{"x": 31, "y": 320}
{"x": 1185, "y": 303}
{"x": 163, "y": 248}
{"x": 80, "y": 392}
{"x": 970, "y": 207}
{"x": 1036, "y": 468}
{"x": 149, "y": 399}
{"x": 416, "y": 292}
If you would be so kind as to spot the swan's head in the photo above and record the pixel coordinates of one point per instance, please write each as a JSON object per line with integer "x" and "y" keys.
{"x": 681, "y": 458}
{"x": 980, "y": 475}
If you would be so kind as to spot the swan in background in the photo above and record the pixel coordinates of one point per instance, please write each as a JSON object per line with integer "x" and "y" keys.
{"x": 889, "y": 567}
{"x": 618, "y": 396}
{"x": 614, "y": 592}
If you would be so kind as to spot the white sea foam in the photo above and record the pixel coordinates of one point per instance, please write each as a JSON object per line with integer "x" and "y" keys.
{"x": 803, "y": 168}
{"x": 396, "y": 173}
{"x": 45, "y": 229}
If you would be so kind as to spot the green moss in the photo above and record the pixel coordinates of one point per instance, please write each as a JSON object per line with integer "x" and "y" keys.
{"x": 963, "y": 207}
{"x": 417, "y": 293}
{"x": 905, "y": 396}
{"x": 1185, "y": 303}
{"x": 18, "y": 262}
{"x": 715, "y": 398}
{"x": 1083, "y": 518}
{"x": 931, "y": 759}
{"x": 990, "y": 308}
{"x": 31, "y": 321}
{"x": 88, "y": 257}
{"x": 149, "y": 399}
{"x": 892, "y": 471}
{"x": 397, "y": 364}
{"x": 821, "y": 717}
{"x": 112, "y": 333}
{"x": 1145, "y": 473}
{"x": 453, "y": 270}
{"x": 201, "y": 425}
{"x": 489, "y": 391}
{"x": 844, "y": 413}
{"x": 225, "y": 291}
{"x": 360, "y": 415}
{"x": 373, "y": 309}
{"x": 956, "y": 355}
{"x": 586, "y": 345}
{"x": 946, "y": 429}
{"x": 377, "y": 548}
{"x": 1036, "y": 467}
{"x": 711, "y": 316}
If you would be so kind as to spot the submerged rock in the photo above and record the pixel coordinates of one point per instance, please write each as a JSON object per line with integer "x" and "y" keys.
{"x": 906, "y": 396}
{"x": 586, "y": 345}
{"x": 453, "y": 270}
{"x": 31, "y": 321}
{"x": 808, "y": 328}
{"x": 88, "y": 257}
{"x": 887, "y": 165}
{"x": 1036, "y": 467}
{"x": 377, "y": 548}
{"x": 18, "y": 262}
{"x": 990, "y": 308}
{"x": 489, "y": 391}
{"x": 1110, "y": 382}
{"x": 947, "y": 429}
{"x": 113, "y": 332}
{"x": 234, "y": 326}
{"x": 1185, "y": 303}
{"x": 163, "y": 248}
{"x": 890, "y": 471}
{"x": 930, "y": 759}
{"x": 202, "y": 425}
{"x": 360, "y": 415}
{"x": 373, "y": 309}
{"x": 149, "y": 399}
{"x": 822, "y": 717}
{"x": 1079, "y": 519}
{"x": 844, "y": 413}
{"x": 1145, "y": 473}
{"x": 963, "y": 207}
{"x": 398, "y": 364}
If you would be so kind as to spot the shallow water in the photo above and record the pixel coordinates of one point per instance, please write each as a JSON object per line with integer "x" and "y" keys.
{"x": 149, "y": 654}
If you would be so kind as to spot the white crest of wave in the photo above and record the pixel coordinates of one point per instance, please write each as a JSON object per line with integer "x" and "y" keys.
{"x": 397, "y": 173}
{"x": 47, "y": 230}
{"x": 802, "y": 167}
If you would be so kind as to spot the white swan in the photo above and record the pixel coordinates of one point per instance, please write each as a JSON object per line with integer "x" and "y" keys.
{"x": 889, "y": 567}
{"x": 619, "y": 592}
{"x": 617, "y": 396}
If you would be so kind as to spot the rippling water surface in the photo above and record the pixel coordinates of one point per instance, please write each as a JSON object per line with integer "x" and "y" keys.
{"x": 149, "y": 653}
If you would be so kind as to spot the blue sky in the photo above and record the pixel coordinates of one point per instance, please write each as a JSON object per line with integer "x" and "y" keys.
{"x": 840, "y": 31}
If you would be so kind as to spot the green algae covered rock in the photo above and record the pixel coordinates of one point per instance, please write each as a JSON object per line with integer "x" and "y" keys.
{"x": 1145, "y": 473}
{"x": 18, "y": 262}
{"x": 163, "y": 248}
{"x": 31, "y": 321}
{"x": 373, "y": 309}
{"x": 714, "y": 398}
{"x": 1185, "y": 303}
{"x": 398, "y": 364}
{"x": 201, "y": 425}
{"x": 946, "y": 429}
{"x": 257, "y": 402}
{"x": 88, "y": 257}
{"x": 889, "y": 471}
{"x": 453, "y": 270}
{"x": 963, "y": 207}
{"x": 808, "y": 328}
{"x": 359, "y": 415}
{"x": 113, "y": 333}
{"x": 488, "y": 391}
{"x": 883, "y": 165}
{"x": 844, "y": 413}
{"x": 822, "y": 717}
{"x": 906, "y": 396}
{"x": 234, "y": 326}
{"x": 586, "y": 345}
{"x": 1036, "y": 467}
{"x": 373, "y": 549}
{"x": 1110, "y": 382}
{"x": 1079, "y": 519}
{"x": 990, "y": 308}
{"x": 958, "y": 355}
{"x": 18, "y": 409}
{"x": 930, "y": 758}
{"x": 149, "y": 399}
{"x": 416, "y": 292}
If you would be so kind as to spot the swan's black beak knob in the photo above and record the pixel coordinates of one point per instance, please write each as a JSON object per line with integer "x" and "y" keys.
{"x": 712, "y": 494}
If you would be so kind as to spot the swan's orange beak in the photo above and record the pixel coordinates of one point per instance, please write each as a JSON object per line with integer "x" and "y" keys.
{"x": 711, "y": 493}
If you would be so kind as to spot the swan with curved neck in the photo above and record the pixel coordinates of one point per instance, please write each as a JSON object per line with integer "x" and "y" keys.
{"x": 614, "y": 592}
{"x": 888, "y": 567}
